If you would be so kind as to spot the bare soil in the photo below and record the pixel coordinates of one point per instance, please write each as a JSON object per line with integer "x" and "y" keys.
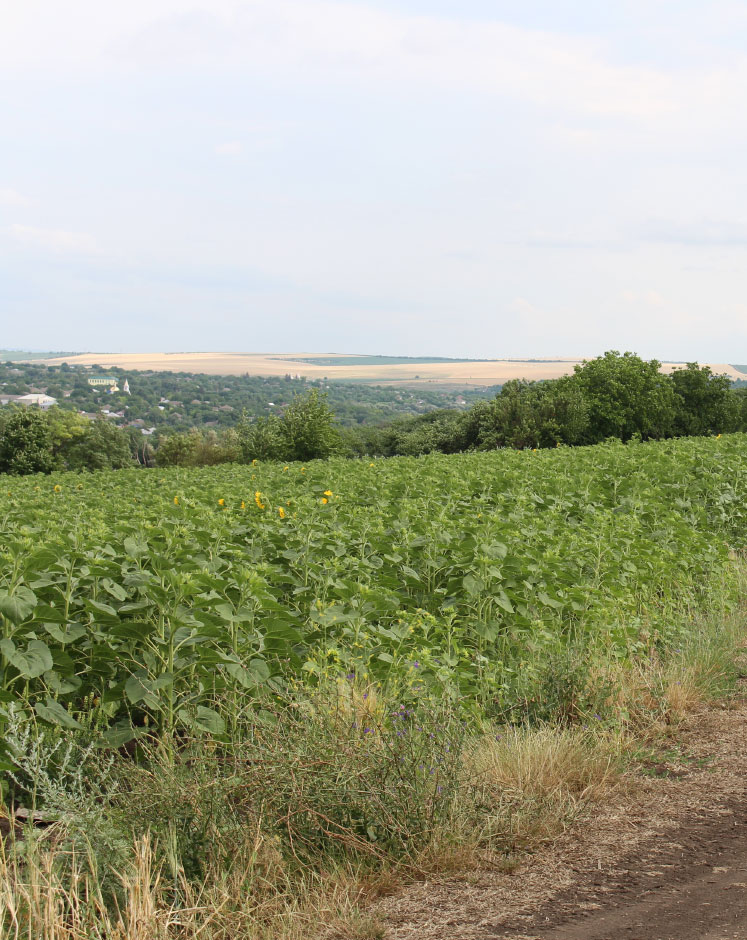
{"x": 665, "y": 858}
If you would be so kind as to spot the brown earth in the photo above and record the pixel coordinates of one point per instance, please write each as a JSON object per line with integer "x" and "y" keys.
{"x": 665, "y": 858}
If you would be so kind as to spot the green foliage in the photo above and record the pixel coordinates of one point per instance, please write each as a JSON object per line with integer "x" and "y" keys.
{"x": 626, "y": 396}
{"x": 180, "y": 401}
{"x": 32, "y": 441}
{"x": 614, "y": 396}
{"x": 101, "y": 447}
{"x": 198, "y": 449}
{"x": 304, "y": 432}
{"x": 263, "y": 439}
{"x": 530, "y": 414}
{"x": 177, "y": 450}
{"x": 164, "y": 594}
{"x": 25, "y": 444}
{"x": 707, "y": 404}
{"x": 308, "y": 427}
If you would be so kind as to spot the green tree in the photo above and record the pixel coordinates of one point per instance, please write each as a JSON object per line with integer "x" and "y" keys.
{"x": 263, "y": 439}
{"x": 66, "y": 429}
{"x": 529, "y": 414}
{"x": 741, "y": 397}
{"x": 706, "y": 403}
{"x": 177, "y": 450}
{"x": 103, "y": 447}
{"x": 81, "y": 444}
{"x": 626, "y": 396}
{"x": 198, "y": 449}
{"x": 308, "y": 427}
{"x": 439, "y": 431}
{"x": 25, "y": 444}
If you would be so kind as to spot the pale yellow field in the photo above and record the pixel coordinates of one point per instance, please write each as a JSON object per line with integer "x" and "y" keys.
{"x": 461, "y": 374}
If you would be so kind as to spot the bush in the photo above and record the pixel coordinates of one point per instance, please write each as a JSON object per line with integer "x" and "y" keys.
{"x": 198, "y": 449}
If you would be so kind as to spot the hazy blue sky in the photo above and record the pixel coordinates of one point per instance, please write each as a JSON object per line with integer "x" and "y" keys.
{"x": 450, "y": 177}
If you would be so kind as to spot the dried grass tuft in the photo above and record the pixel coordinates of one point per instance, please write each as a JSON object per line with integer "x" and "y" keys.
{"x": 534, "y": 781}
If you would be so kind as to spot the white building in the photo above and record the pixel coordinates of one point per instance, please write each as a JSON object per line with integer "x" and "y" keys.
{"x": 40, "y": 401}
{"x": 108, "y": 382}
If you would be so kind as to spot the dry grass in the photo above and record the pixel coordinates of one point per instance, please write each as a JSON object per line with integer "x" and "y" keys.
{"x": 515, "y": 789}
{"x": 48, "y": 894}
{"x": 544, "y": 763}
{"x": 534, "y": 781}
{"x": 514, "y": 792}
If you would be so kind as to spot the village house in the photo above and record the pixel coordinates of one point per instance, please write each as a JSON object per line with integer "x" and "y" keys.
{"x": 36, "y": 400}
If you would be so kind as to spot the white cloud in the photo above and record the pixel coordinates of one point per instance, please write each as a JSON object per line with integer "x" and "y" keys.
{"x": 231, "y": 148}
{"x": 448, "y": 172}
{"x": 324, "y": 39}
{"x": 11, "y": 197}
{"x": 648, "y": 298}
{"x": 333, "y": 40}
{"x": 699, "y": 233}
{"x": 59, "y": 240}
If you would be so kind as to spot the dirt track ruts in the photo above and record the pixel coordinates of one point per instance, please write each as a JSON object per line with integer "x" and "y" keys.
{"x": 691, "y": 887}
{"x": 665, "y": 859}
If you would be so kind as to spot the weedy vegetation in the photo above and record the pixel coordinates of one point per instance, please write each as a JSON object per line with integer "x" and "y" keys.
{"x": 238, "y": 701}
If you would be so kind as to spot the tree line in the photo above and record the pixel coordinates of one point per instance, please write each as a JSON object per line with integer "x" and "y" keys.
{"x": 614, "y": 396}
{"x": 181, "y": 401}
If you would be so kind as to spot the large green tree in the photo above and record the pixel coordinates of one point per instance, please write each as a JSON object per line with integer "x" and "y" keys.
{"x": 81, "y": 444}
{"x": 103, "y": 447}
{"x": 626, "y": 396}
{"x": 530, "y": 414}
{"x": 66, "y": 430}
{"x": 25, "y": 444}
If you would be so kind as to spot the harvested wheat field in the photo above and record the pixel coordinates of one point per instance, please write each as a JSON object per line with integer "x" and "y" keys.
{"x": 663, "y": 859}
{"x": 375, "y": 370}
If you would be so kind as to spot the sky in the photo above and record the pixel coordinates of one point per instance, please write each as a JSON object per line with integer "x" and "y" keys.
{"x": 467, "y": 178}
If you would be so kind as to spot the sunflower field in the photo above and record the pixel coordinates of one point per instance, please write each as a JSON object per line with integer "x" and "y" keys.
{"x": 155, "y": 598}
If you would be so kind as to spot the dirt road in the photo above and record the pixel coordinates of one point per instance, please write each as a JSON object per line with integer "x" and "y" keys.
{"x": 664, "y": 860}
{"x": 691, "y": 888}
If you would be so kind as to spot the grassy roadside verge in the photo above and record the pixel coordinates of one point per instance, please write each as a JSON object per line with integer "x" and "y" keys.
{"x": 316, "y": 808}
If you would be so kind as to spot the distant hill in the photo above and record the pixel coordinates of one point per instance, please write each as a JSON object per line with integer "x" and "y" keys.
{"x": 422, "y": 372}
{"x": 23, "y": 355}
